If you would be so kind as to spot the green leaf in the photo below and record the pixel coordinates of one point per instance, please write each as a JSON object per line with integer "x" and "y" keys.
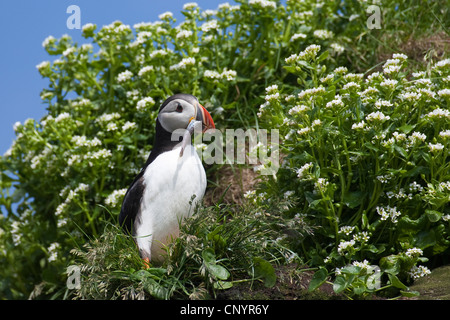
{"x": 217, "y": 271}
{"x": 155, "y": 289}
{"x": 390, "y": 264}
{"x": 323, "y": 56}
{"x": 264, "y": 270}
{"x": 433, "y": 215}
{"x": 406, "y": 128}
{"x": 319, "y": 278}
{"x": 342, "y": 282}
{"x": 209, "y": 256}
{"x": 353, "y": 199}
{"x": 425, "y": 239}
{"x": 410, "y": 293}
{"x": 222, "y": 285}
{"x": 396, "y": 282}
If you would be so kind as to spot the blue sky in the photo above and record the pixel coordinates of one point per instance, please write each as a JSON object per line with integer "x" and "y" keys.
{"x": 26, "y": 23}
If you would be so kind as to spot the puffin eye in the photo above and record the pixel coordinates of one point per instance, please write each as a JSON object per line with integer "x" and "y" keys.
{"x": 179, "y": 108}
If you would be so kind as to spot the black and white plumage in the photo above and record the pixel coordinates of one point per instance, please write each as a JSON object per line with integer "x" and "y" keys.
{"x": 160, "y": 196}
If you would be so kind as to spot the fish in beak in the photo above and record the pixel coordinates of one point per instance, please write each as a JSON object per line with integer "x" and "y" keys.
{"x": 203, "y": 118}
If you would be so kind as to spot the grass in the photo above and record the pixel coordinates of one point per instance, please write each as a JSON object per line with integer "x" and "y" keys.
{"x": 219, "y": 247}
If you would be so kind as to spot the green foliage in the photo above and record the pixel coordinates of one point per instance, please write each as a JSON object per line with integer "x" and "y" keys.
{"x": 374, "y": 182}
{"x": 199, "y": 263}
{"x": 65, "y": 174}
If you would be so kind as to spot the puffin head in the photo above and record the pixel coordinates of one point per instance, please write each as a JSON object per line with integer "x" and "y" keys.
{"x": 180, "y": 110}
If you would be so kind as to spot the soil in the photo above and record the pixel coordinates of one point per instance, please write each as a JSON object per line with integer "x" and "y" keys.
{"x": 292, "y": 284}
{"x": 436, "y": 286}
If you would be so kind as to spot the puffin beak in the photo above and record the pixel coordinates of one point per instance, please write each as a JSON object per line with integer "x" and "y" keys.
{"x": 206, "y": 119}
{"x": 202, "y": 116}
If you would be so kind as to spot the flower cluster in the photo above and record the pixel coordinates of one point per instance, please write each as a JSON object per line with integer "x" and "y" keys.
{"x": 353, "y": 155}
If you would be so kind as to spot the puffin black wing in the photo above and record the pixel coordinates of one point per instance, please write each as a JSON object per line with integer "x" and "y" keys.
{"x": 131, "y": 203}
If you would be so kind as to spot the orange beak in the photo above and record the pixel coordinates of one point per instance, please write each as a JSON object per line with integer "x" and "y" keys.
{"x": 206, "y": 119}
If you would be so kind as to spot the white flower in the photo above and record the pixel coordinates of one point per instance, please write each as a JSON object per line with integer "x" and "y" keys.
{"x": 183, "y": 63}
{"x": 298, "y": 36}
{"x": 303, "y": 131}
{"x": 311, "y": 92}
{"x": 346, "y": 229}
{"x": 166, "y": 15}
{"x": 359, "y": 125}
{"x": 107, "y": 117}
{"x": 272, "y": 88}
{"x": 345, "y": 246}
{"x": 183, "y": 34}
{"x": 61, "y": 222}
{"x": 145, "y": 70}
{"x": 400, "y": 56}
{"x": 113, "y": 199}
{"x": 212, "y": 74}
{"x": 43, "y": 65}
{"x": 414, "y": 252}
{"x": 391, "y": 69}
{"x": 323, "y": 34}
{"x": 263, "y": 3}
{"x": 88, "y": 27}
{"x": 316, "y": 122}
{"x": 362, "y": 236}
{"x": 145, "y": 103}
{"x": 337, "y": 48}
{"x": 363, "y": 265}
{"x": 128, "y": 125}
{"x": 160, "y": 53}
{"x": 301, "y": 172}
{"x": 309, "y": 53}
{"x": 442, "y": 64}
{"x": 124, "y": 76}
{"x": 351, "y": 85}
{"x": 388, "y": 212}
{"x": 383, "y": 103}
{"x": 62, "y": 117}
{"x": 439, "y": 113}
{"x": 82, "y": 141}
{"x": 229, "y": 74}
{"x": 445, "y": 134}
{"x": 341, "y": 70}
{"x": 272, "y": 97}
{"x": 410, "y": 96}
{"x": 389, "y": 83}
{"x": 321, "y": 184}
{"x": 329, "y": 77}
{"x": 377, "y": 116}
{"x": 250, "y": 194}
{"x": 224, "y": 6}
{"x": 444, "y": 93}
{"x": 101, "y": 154}
{"x": 190, "y": 5}
{"x": 298, "y": 109}
{"x": 435, "y": 147}
{"x": 209, "y": 25}
{"x": 48, "y": 40}
{"x": 69, "y": 51}
{"x": 419, "y": 272}
{"x": 53, "y": 251}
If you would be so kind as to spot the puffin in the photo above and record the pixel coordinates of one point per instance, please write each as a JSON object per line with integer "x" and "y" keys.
{"x": 172, "y": 181}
